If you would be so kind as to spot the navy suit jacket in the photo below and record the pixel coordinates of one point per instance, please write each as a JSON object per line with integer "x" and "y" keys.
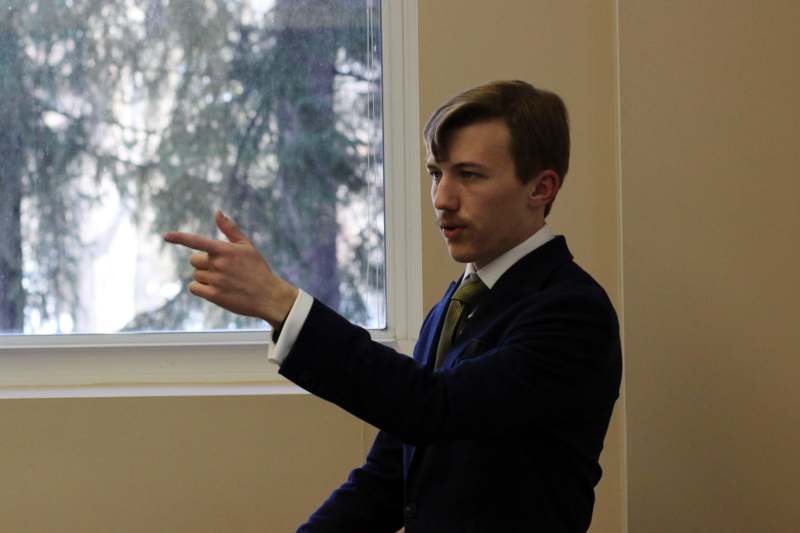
{"x": 504, "y": 436}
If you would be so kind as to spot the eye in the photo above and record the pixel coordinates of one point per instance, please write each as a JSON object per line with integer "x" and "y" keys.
{"x": 435, "y": 174}
{"x": 468, "y": 174}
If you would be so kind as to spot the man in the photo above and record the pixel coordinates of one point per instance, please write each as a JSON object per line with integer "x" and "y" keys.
{"x": 497, "y": 422}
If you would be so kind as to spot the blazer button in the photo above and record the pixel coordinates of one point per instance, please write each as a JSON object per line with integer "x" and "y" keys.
{"x": 411, "y": 510}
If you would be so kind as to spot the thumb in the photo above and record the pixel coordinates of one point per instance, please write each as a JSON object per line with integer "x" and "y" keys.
{"x": 229, "y": 228}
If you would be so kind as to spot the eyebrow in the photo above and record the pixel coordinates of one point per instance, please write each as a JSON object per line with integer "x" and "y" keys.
{"x": 470, "y": 164}
{"x": 459, "y": 166}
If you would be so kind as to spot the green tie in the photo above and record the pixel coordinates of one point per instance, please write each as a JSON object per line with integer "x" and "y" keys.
{"x": 465, "y": 296}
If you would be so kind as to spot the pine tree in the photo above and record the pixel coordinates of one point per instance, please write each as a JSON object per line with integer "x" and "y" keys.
{"x": 236, "y": 109}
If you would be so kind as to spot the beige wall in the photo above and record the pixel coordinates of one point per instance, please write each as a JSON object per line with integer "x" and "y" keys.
{"x": 193, "y": 465}
{"x": 711, "y": 216}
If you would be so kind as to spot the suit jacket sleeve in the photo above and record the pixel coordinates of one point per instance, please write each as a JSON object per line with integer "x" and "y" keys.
{"x": 551, "y": 360}
{"x": 372, "y": 497}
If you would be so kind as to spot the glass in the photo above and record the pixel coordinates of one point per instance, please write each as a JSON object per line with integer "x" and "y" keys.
{"x": 122, "y": 119}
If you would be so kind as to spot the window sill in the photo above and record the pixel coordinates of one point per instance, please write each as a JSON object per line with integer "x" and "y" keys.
{"x": 208, "y": 364}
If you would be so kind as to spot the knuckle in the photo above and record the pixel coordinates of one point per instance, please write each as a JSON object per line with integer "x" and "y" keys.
{"x": 219, "y": 262}
{"x": 197, "y": 259}
{"x": 210, "y": 292}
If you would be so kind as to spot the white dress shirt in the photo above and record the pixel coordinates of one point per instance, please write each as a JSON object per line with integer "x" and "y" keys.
{"x": 489, "y": 274}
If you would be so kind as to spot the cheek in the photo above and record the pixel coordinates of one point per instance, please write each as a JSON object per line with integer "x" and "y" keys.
{"x": 500, "y": 215}
{"x": 495, "y": 209}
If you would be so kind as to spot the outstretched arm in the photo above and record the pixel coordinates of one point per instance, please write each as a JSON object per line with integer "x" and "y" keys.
{"x": 234, "y": 275}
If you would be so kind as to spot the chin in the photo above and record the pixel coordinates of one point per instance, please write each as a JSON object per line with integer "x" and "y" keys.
{"x": 460, "y": 256}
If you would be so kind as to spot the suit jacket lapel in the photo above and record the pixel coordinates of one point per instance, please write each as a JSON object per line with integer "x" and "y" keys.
{"x": 426, "y": 354}
{"x": 529, "y": 274}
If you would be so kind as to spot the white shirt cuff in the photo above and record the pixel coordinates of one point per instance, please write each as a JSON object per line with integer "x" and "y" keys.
{"x": 291, "y": 327}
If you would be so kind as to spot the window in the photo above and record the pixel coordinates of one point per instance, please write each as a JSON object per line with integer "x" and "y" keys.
{"x": 127, "y": 118}
{"x": 130, "y": 117}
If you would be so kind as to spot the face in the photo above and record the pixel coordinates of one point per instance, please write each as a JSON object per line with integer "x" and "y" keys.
{"x": 482, "y": 207}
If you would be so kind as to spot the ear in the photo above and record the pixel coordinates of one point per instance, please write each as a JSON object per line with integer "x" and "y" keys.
{"x": 544, "y": 188}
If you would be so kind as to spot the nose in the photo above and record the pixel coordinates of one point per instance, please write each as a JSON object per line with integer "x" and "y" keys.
{"x": 444, "y": 194}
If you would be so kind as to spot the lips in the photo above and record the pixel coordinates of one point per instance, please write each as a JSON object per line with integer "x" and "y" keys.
{"x": 451, "y": 231}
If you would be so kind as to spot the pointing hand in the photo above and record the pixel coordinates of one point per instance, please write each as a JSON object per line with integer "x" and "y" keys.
{"x": 234, "y": 275}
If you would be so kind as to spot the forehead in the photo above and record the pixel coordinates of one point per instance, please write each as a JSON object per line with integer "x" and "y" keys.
{"x": 486, "y": 142}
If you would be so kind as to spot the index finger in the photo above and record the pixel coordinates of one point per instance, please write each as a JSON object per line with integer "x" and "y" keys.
{"x": 195, "y": 242}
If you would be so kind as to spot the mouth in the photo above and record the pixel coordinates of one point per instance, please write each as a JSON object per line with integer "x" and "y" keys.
{"x": 451, "y": 231}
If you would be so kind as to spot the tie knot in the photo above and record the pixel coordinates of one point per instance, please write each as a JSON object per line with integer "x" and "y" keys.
{"x": 470, "y": 290}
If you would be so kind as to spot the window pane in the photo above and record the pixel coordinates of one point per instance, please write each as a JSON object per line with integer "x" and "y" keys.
{"x": 122, "y": 119}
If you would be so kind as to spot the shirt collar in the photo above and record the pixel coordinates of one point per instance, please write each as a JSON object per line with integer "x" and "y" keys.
{"x": 491, "y": 272}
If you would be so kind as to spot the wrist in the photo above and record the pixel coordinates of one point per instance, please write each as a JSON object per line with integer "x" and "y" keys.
{"x": 277, "y": 308}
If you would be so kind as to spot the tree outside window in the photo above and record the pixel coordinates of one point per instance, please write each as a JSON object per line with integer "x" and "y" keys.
{"x": 122, "y": 119}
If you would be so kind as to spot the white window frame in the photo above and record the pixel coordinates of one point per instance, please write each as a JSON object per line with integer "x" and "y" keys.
{"x": 230, "y": 363}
